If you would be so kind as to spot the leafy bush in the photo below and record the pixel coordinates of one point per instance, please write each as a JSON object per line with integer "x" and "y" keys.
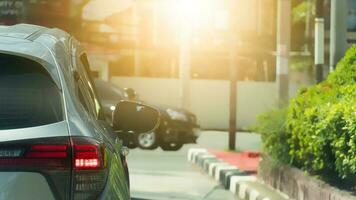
{"x": 341, "y": 121}
{"x": 319, "y": 130}
{"x": 272, "y": 128}
{"x": 345, "y": 73}
{"x": 321, "y": 121}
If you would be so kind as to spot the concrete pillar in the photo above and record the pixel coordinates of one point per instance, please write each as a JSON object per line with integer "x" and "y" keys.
{"x": 319, "y": 49}
{"x": 185, "y": 55}
{"x": 184, "y": 71}
{"x": 338, "y": 31}
{"x": 233, "y": 92}
{"x": 233, "y": 74}
{"x": 319, "y": 45}
{"x": 283, "y": 48}
{"x": 155, "y": 24}
{"x": 173, "y": 67}
{"x": 137, "y": 62}
{"x": 136, "y": 50}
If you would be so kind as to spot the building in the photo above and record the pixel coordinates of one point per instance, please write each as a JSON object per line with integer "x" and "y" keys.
{"x": 147, "y": 38}
{"x": 64, "y": 14}
{"x": 141, "y": 48}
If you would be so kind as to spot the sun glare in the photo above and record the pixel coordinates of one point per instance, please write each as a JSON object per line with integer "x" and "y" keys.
{"x": 196, "y": 12}
{"x": 192, "y": 13}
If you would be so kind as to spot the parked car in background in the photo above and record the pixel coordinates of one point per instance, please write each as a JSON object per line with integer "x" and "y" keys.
{"x": 177, "y": 126}
{"x": 54, "y": 140}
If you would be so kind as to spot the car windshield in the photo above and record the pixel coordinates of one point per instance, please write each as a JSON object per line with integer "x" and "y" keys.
{"x": 29, "y": 97}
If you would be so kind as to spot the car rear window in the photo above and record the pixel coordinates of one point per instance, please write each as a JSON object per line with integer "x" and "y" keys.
{"x": 28, "y": 95}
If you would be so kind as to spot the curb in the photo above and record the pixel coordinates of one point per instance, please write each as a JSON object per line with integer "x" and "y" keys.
{"x": 228, "y": 175}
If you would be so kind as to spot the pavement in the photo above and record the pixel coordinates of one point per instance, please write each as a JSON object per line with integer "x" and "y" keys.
{"x": 247, "y": 161}
{"x": 160, "y": 175}
{"x": 235, "y": 171}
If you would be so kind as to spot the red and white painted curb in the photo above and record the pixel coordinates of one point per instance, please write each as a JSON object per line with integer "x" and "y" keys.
{"x": 228, "y": 175}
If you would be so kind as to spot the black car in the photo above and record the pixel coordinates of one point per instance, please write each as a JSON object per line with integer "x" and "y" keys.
{"x": 177, "y": 126}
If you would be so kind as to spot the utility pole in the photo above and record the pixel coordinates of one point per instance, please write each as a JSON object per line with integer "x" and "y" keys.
{"x": 319, "y": 49}
{"x": 136, "y": 50}
{"x": 185, "y": 56}
{"x": 319, "y": 58}
{"x": 338, "y": 31}
{"x": 283, "y": 48}
{"x": 233, "y": 75}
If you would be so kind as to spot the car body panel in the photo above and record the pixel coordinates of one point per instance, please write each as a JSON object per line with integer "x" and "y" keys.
{"x": 25, "y": 187}
{"x": 115, "y": 182}
{"x": 47, "y": 131}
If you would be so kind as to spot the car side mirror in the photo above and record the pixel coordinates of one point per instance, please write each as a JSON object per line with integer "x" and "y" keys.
{"x": 131, "y": 93}
{"x": 135, "y": 117}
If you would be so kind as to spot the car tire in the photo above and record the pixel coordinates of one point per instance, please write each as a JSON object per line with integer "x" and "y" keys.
{"x": 147, "y": 141}
{"x": 171, "y": 146}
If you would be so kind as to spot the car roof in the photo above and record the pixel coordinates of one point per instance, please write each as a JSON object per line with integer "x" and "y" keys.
{"x": 22, "y": 31}
{"x": 48, "y": 46}
{"x": 34, "y": 32}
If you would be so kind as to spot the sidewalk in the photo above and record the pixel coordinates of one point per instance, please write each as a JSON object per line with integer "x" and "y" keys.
{"x": 246, "y": 161}
{"x": 235, "y": 171}
{"x": 219, "y": 140}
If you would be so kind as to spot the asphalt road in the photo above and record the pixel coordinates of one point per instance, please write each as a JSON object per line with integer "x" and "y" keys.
{"x": 160, "y": 175}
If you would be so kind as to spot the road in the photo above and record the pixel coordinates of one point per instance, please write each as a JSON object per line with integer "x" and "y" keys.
{"x": 159, "y": 175}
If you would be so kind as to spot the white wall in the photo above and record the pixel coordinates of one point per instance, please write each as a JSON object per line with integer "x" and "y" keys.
{"x": 155, "y": 90}
{"x": 209, "y": 98}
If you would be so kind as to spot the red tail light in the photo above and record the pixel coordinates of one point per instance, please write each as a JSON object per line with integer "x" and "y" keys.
{"x": 76, "y": 167}
{"x": 47, "y": 151}
{"x": 44, "y": 154}
{"x": 87, "y": 156}
{"x": 48, "y": 156}
{"x": 89, "y": 168}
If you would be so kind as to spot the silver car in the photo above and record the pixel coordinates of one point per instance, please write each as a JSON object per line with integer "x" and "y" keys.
{"x": 54, "y": 141}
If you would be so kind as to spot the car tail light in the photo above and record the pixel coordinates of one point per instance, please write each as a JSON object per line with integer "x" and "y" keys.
{"x": 47, "y": 151}
{"x": 89, "y": 168}
{"x": 50, "y": 157}
{"x": 36, "y": 154}
{"x": 74, "y": 167}
{"x": 87, "y": 156}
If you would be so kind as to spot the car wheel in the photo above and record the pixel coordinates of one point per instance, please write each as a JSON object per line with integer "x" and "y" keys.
{"x": 147, "y": 140}
{"x": 171, "y": 146}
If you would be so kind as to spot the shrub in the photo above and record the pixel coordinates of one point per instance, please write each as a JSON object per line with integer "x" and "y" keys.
{"x": 341, "y": 120}
{"x": 271, "y": 125}
{"x": 321, "y": 121}
{"x": 345, "y": 73}
{"x": 317, "y": 132}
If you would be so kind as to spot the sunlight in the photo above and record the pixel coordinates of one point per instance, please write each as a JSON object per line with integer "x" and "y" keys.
{"x": 197, "y": 13}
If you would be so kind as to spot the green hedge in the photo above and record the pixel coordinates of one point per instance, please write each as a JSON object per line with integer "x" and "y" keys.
{"x": 317, "y": 133}
{"x": 274, "y": 136}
